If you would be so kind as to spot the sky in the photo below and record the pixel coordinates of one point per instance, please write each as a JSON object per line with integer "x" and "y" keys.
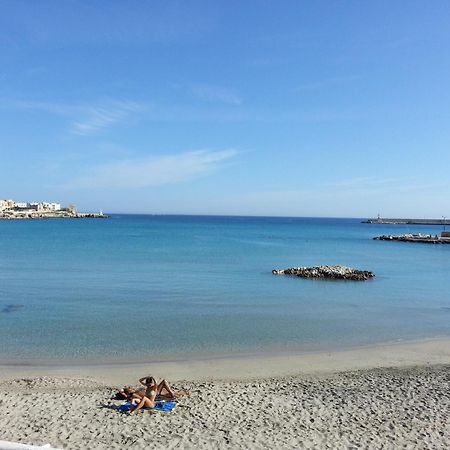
{"x": 293, "y": 108}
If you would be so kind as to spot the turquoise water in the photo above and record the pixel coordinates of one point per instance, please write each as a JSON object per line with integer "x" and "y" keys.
{"x": 134, "y": 287}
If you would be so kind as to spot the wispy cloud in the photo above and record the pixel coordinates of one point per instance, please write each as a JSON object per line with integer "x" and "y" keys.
{"x": 84, "y": 119}
{"x": 60, "y": 109}
{"x": 99, "y": 118}
{"x": 210, "y": 93}
{"x": 153, "y": 171}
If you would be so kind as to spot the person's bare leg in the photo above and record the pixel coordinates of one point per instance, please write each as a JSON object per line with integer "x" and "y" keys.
{"x": 164, "y": 386}
{"x": 144, "y": 403}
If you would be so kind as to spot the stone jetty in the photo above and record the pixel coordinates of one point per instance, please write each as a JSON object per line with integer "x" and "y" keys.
{"x": 382, "y": 221}
{"x": 51, "y": 215}
{"x": 420, "y": 238}
{"x": 331, "y": 272}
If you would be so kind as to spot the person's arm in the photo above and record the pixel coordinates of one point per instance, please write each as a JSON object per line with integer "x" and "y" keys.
{"x": 142, "y": 381}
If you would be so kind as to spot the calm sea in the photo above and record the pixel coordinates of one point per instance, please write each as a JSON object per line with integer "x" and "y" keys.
{"x": 136, "y": 286}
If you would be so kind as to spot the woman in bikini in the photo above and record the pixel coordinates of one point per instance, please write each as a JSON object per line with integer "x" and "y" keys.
{"x": 161, "y": 390}
{"x": 138, "y": 399}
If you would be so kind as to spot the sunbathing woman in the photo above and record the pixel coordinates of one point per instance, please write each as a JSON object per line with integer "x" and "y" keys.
{"x": 139, "y": 400}
{"x": 161, "y": 390}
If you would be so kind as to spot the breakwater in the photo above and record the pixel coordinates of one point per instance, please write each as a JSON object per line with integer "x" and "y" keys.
{"x": 420, "y": 238}
{"x": 330, "y": 272}
{"x": 383, "y": 221}
{"x": 51, "y": 215}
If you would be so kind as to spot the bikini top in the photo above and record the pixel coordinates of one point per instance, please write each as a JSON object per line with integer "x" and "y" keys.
{"x": 150, "y": 392}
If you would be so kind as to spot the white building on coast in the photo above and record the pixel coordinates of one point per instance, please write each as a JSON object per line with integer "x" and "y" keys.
{"x": 7, "y": 204}
{"x": 11, "y": 205}
{"x": 10, "y": 209}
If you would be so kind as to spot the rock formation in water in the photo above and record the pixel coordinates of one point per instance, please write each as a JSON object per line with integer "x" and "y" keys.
{"x": 331, "y": 272}
{"x": 422, "y": 238}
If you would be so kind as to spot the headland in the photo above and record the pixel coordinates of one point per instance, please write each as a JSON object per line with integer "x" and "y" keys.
{"x": 12, "y": 210}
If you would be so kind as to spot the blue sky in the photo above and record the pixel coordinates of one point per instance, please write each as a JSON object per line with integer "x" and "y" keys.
{"x": 297, "y": 108}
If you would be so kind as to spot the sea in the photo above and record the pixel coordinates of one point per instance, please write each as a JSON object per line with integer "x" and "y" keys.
{"x": 147, "y": 287}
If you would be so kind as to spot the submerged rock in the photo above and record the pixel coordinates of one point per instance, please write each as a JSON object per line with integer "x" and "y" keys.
{"x": 331, "y": 272}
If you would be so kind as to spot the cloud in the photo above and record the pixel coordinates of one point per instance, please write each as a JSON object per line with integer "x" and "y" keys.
{"x": 215, "y": 94}
{"x": 85, "y": 119}
{"x": 153, "y": 171}
{"x": 59, "y": 109}
{"x": 99, "y": 118}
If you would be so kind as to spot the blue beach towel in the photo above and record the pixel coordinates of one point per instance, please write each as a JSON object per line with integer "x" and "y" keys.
{"x": 125, "y": 407}
{"x": 164, "y": 406}
{"x": 159, "y": 406}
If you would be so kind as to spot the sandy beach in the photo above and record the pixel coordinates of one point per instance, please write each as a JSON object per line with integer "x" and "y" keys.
{"x": 396, "y": 396}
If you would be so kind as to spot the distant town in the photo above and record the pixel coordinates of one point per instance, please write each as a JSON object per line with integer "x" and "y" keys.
{"x": 10, "y": 210}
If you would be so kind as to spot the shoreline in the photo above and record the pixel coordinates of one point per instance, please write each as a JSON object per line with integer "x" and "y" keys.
{"x": 247, "y": 366}
{"x": 109, "y": 361}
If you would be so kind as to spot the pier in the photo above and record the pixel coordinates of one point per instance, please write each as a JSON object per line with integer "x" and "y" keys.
{"x": 382, "y": 221}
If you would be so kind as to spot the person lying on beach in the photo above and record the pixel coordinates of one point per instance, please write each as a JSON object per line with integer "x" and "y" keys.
{"x": 161, "y": 390}
{"x": 138, "y": 399}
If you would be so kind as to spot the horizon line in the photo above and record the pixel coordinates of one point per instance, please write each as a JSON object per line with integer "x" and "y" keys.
{"x": 267, "y": 216}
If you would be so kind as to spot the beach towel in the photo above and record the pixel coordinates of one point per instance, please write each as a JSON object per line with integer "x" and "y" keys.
{"x": 125, "y": 407}
{"x": 164, "y": 406}
{"x": 159, "y": 406}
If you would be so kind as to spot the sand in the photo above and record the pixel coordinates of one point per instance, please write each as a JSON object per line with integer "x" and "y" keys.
{"x": 325, "y": 405}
